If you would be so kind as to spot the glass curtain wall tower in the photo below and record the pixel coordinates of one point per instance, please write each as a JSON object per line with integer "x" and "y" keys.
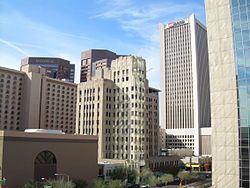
{"x": 240, "y": 13}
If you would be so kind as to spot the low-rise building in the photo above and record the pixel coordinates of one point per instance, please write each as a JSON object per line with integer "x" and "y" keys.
{"x": 107, "y": 166}
{"x": 32, "y": 156}
{"x": 159, "y": 163}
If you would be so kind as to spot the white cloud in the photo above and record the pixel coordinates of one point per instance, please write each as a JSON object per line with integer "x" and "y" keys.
{"x": 39, "y": 39}
{"x": 143, "y": 22}
{"x": 15, "y": 47}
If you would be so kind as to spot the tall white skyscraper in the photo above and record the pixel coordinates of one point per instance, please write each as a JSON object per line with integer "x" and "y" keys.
{"x": 185, "y": 110}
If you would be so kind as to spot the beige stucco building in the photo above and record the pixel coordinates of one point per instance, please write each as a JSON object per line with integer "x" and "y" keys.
{"x": 230, "y": 165}
{"x": 32, "y": 156}
{"x": 30, "y": 99}
{"x": 113, "y": 105}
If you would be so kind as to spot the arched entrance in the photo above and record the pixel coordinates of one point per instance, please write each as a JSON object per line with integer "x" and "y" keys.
{"x": 45, "y": 165}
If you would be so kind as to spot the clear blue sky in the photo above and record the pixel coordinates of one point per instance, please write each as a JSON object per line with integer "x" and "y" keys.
{"x": 64, "y": 28}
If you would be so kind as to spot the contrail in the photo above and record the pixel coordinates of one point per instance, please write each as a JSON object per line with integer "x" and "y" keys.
{"x": 13, "y": 46}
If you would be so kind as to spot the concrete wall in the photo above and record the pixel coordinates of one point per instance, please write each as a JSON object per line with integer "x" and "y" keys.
{"x": 76, "y": 155}
{"x": 224, "y": 111}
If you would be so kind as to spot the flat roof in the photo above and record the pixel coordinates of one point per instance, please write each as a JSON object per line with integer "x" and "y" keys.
{"x": 46, "y": 137}
{"x": 151, "y": 89}
{"x": 111, "y": 161}
{"x": 11, "y": 70}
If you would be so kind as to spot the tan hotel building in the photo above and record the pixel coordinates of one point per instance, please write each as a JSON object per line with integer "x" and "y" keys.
{"x": 30, "y": 99}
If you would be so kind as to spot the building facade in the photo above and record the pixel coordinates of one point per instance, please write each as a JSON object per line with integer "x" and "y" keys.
{"x": 93, "y": 59}
{"x": 228, "y": 42}
{"x": 32, "y": 156}
{"x": 153, "y": 121}
{"x": 162, "y": 138}
{"x": 185, "y": 96}
{"x": 11, "y": 99}
{"x": 57, "y": 68}
{"x": 112, "y": 105}
{"x": 30, "y": 99}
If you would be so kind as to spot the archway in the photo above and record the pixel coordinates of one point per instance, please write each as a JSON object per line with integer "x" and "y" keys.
{"x": 45, "y": 165}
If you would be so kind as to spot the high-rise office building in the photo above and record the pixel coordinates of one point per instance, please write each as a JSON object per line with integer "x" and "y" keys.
{"x": 57, "y": 68}
{"x": 31, "y": 100}
{"x": 113, "y": 105}
{"x": 93, "y": 59}
{"x": 184, "y": 83}
{"x": 228, "y": 23}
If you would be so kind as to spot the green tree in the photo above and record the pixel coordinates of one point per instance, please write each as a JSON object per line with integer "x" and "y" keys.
{"x": 148, "y": 177}
{"x": 151, "y": 180}
{"x": 30, "y": 184}
{"x": 166, "y": 178}
{"x": 170, "y": 170}
{"x": 115, "y": 184}
{"x": 119, "y": 173}
{"x": 131, "y": 175}
{"x": 60, "y": 184}
{"x": 79, "y": 183}
{"x": 145, "y": 174}
{"x": 184, "y": 175}
{"x": 123, "y": 173}
{"x": 98, "y": 183}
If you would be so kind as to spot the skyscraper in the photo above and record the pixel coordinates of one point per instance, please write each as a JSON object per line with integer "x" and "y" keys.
{"x": 93, "y": 59}
{"x": 57, "y": 68}
{"x": 228, "y": 24}
{"x": 185, "y": 84}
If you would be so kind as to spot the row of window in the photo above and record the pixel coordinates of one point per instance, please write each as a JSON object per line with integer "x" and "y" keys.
{"x": 123, "y": 156}
{"x": 122, "y": 147}
{"x": 73, "y": 89}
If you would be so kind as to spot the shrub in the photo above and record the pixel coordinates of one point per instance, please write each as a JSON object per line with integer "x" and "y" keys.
{"x": 79, "y": 183}
{"x": 30, "y": 184}
{"x": 167, "y": 178}
{"x": 60, "y": 184}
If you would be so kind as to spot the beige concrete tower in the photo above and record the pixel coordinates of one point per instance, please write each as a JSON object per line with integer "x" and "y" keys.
{"x": 113, "y": 105}
{"x": 224, "y": 107}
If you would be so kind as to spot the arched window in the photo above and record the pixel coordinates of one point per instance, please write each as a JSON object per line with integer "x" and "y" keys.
{"x": 45, "y": 165}
{"x": 45, "y": 157}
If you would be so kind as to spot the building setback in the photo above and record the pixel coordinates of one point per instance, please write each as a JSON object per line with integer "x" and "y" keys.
{"x": 30, "y": 99}
{"x": 184, "y": 83}
{"x": 112, "y": 105}
{"x": 228, "y": 44}
{"x": 57, "y": 68}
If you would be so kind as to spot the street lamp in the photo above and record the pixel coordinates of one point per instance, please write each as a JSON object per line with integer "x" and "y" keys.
{"x": 57, "y": 174}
